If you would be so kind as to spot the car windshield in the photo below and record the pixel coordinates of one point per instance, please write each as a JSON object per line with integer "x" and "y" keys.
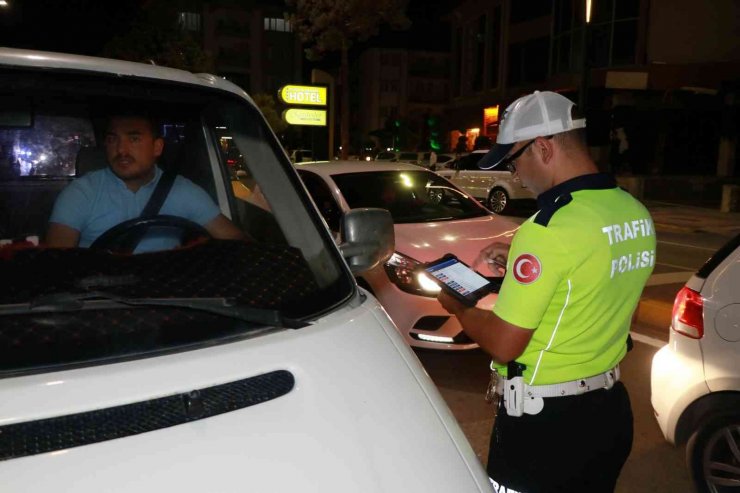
{"x": 131, "y": 296}
{"x": 410, "y": 196}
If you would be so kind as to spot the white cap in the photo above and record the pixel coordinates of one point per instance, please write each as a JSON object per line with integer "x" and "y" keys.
{"x": 535, "y": 115}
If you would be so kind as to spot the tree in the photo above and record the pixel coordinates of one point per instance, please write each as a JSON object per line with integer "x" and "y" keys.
{"x": 158, "y": 37}
{"x": 267, "y": 105}
{"x": 328, "y": 25}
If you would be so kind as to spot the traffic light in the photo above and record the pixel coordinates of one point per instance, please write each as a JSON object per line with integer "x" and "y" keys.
{"x": 432, "y": 123}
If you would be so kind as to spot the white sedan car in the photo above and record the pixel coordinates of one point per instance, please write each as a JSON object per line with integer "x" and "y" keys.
{"x": 695, "y": 385}
{"x": 498, "y": 189}
{"x": 432, "y": 217}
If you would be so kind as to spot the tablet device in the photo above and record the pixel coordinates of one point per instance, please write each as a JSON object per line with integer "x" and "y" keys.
{"x": 459, "y": 280}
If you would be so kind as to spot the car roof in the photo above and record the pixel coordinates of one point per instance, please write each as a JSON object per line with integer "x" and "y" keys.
{"x": 75, "y": 63}
{"x": 326, "y": 168}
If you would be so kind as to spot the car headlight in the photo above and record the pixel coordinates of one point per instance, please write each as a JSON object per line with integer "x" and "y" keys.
{"x": 403, "y": 272}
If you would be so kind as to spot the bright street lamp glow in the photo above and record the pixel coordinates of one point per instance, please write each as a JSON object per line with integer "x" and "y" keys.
{"x": 588, "y": 11}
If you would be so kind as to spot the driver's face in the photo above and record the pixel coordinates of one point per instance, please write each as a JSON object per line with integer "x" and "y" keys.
{"x": 132, "y": 150}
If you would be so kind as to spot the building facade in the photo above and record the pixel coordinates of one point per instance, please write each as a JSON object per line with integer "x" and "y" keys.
{"x": 250, "y": 43}
{"x": 659, "y": 83}
{"x": 402, "y": 97}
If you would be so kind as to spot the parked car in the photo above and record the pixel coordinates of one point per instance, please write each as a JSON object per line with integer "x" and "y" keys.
{"x": 499, "y": 190}
{"x": 219, "y": 365}
{"x": 413, "y": 157}
{"x": 391, "y": 156}
{"x": 301, "y": 155}
{"x": 444, "y": 159}
{"x": 410, "y": 157}
{"x": 695, "y": 382}
{"x": 432, "y": 217}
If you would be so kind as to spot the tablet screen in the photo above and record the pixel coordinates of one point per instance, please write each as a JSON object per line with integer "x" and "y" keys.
{"x": 457, "y": 276}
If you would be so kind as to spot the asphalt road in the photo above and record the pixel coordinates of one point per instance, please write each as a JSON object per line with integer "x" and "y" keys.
{"x": 654, "y": 466}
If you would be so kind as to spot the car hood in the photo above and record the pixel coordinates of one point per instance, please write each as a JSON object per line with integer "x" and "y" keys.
{"x": 464, "y": 238}
{"x": 351, "y": 422}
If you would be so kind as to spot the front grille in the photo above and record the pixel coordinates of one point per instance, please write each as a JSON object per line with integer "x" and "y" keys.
{"x": 75, "y": 430}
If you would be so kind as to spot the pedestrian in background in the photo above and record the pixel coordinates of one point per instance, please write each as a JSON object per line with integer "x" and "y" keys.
{"x": 433, "y": 161}
{"x": 574, "y": 275}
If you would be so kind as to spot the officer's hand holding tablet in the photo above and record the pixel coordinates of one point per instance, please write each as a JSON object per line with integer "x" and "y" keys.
{"x": 460, "y": 281}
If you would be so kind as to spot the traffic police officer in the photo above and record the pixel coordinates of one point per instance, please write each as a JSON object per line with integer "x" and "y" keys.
{"x": 574, "y": 274}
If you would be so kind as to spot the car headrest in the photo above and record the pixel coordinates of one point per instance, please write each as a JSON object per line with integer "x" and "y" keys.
{"x": 90, "y": 159}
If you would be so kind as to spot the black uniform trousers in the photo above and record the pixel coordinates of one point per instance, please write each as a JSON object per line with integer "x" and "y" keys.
{"x": 576, "y": 443}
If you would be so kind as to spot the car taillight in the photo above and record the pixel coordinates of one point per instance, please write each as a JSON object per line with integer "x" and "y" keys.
{"x": 688, "y": 314}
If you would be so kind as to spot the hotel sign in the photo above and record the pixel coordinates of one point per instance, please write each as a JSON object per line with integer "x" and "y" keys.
{"x": 303, "y": 95}
{"x": 300, "y": 116}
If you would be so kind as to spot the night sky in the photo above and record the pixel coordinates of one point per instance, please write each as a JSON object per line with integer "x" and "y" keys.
{"x": 84, "y": 26}
{"x": 73, "y": 26}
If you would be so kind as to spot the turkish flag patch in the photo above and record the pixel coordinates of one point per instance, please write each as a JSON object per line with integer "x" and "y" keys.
{"x": 527, "y": 268}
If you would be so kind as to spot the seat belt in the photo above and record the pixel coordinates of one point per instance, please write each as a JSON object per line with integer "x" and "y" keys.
{"x": 159, "y": 195}
{"x": 152, "y": 207}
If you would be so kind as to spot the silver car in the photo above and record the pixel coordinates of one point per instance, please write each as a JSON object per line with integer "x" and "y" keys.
{"x": 497, "y": 189}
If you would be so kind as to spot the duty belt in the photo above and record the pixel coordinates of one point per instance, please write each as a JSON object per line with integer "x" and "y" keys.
{"x": 604, "y": 380}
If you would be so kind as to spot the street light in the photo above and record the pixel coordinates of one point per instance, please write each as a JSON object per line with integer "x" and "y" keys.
{"x": 584, "y": 57}
{"x": 4, "y": 4}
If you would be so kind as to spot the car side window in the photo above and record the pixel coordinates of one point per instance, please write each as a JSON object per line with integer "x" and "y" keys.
{"x": 470, "y": 162}
{"x": 323, "y": 198}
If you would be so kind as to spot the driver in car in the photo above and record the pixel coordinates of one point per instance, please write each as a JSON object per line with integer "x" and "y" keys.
{"x": 101, "y": 199}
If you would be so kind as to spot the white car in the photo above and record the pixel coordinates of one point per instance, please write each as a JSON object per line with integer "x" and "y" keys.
{"x": 217, "y": 366}
{"x": 432, "y": 218}
{"x": 499, "y": 190}
{"x": 301, "y": 155}
{"x": 695, "y": 383}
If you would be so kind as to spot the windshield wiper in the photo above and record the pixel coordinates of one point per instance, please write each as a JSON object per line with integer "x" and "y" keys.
{"x": 101, "y": 300}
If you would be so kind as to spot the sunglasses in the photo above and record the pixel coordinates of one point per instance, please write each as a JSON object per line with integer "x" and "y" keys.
{"x": 510, "y": 162}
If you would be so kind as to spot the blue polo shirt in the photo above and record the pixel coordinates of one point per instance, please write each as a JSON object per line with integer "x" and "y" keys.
{"x": 100, "y": 200}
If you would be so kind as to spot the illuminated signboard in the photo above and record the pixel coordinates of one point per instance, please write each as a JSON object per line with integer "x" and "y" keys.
{"x": 299, "y": 116}
{"x": 303, "y": 95}
{"x": 490, "y": 121}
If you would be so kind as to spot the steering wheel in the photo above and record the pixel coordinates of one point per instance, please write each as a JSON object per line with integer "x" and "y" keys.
{"x": 125, "y": 236}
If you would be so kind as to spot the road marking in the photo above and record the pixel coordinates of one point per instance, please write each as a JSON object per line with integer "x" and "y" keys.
{"x": 687, "y": 246}
{"x": 674, "y": 266}
{"x": 650, "y": 341}
{"x": 669, "y": 278}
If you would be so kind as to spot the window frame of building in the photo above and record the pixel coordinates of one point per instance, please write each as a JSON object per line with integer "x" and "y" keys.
{"x": 495, "y": 33}
{"x": 277, "y": 24}
{"x": 608, "y": 18}
{"x": 190, "y": 21}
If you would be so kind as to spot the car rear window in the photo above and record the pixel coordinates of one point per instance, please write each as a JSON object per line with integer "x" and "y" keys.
{"x": 46, "y": 149}
{"x": 719, "y": 257}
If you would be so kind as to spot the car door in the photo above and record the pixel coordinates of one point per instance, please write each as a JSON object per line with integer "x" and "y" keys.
{"x": 472, "y": 179}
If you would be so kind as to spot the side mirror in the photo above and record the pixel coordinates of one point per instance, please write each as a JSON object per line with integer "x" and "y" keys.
{"x": 367, "y": 238}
